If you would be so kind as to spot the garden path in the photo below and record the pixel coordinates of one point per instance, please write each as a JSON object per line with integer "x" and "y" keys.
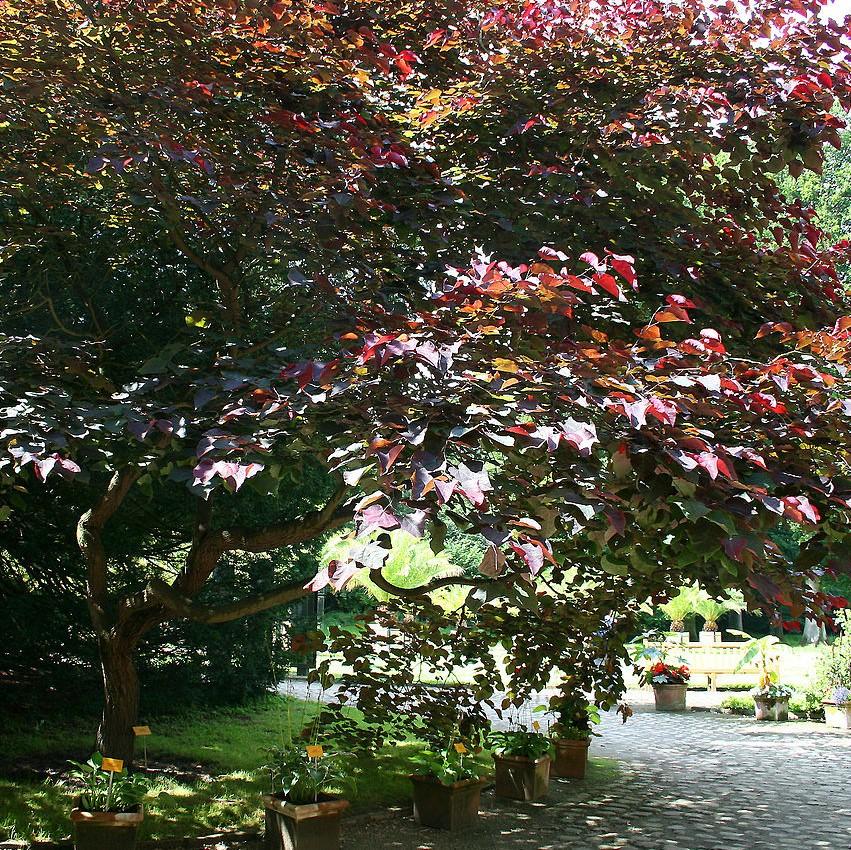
{"x": 693, "y": 781}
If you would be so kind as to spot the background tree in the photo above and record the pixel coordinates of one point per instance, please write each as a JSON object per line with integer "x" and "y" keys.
{"x": 225, "y": 234}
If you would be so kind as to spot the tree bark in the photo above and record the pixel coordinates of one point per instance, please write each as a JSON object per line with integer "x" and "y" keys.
{"x": 115, "y": 737}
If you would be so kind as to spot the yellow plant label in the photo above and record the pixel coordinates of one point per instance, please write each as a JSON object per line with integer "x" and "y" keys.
{"x": 112, "y": 765}
{"x": 315, "y": 751}
{"x": 460, "y": 749}
{"x": 141, "y": 731}
{"x": 536, "y": 726}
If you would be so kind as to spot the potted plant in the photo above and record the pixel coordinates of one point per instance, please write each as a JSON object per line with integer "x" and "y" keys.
{"x": 571, "y": 735}
{"x": 670, "y": 684}
{"x": 522, "y": 762}
{"x": 771, "y": 697}
{"x": 712, "y": 610}
{"x": 448, "y": 791}
{"x": 301, "y": 813}
{"x": 837, "y": 708}
{"x": 108, "y": 811}
{"x": 771, "y": 701}
{"x": 676, "y": 610}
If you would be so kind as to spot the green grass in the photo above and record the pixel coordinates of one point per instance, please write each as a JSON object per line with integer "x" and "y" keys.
{"x": 226, "y": 745}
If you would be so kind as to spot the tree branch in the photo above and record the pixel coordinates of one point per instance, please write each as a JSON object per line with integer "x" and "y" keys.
{"x": 377, "y": 578}
{"x": 289, "y": 533}
{"x": 89, "y": 530}
{"x": 183, "y": 606}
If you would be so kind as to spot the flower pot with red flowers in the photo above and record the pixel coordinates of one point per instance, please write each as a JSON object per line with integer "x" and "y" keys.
{"x": 108, "y": 812}
{"x": 522, "y": 762}
{"x": 448, "y": 791}
{"x": 571, "y": 736}
{"x": 302, "y": 813}
{"x": 670, "y": 684}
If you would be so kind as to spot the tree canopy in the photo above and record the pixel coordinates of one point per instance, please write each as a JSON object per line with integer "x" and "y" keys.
{"x": 521, "y": 267}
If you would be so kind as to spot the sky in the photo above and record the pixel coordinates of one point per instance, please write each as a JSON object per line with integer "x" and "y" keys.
{"x": 838, "y": 9}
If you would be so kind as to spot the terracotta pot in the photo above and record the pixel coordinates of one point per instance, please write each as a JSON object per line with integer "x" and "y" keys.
{"x": 309, "y": 826}
{"x": 771, "y": 709}
{"x": 571, "y": 758}
{"x": 837, "y": 716}
{"x": 106, "y": 830}
{"x": 670, "y": 697}
{"x": 521, "y": 778}
{"x": 454, "y": 807}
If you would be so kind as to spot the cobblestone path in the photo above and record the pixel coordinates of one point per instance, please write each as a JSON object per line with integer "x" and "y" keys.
{"x": 692, "y": 781}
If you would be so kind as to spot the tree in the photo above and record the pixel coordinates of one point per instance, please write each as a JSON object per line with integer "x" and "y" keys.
{"x": 227, "y": 229}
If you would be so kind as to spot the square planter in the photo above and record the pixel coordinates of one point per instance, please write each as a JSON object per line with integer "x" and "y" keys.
{"x": 521, "y": 778}
{"x": 106, "y": 830}
{"x": 771, "y": 709}
{"x": 709, "y": 637}
{"x": 309, "y": 826}
{"x": 837, "y": 716}
{"x": 454, "y": 807}
{"x": 670, "y": 697}
{"x": 571, "y": 758}
{"x": 677, "y": 637}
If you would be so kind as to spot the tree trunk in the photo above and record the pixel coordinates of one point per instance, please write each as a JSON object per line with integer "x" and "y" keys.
{"x": 121, "y": 699}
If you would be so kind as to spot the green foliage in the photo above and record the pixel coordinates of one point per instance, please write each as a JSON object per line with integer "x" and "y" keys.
{"x": 713, "y": 609}
{"x": 833, "y": 668}
{"x": 105, "y": 791}
{"x": 300, "y": 778}
{"x": 448, "y": 766}
{"x": 411, "y": 563}
{"x": 680, "y": 606}
{"x": 743, "y": 705}
{"x": 519, "y": 742}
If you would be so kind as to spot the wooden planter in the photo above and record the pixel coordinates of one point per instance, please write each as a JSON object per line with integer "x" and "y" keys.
{"x": 571, "y": 758}
{"x": 454, "y": 807}
{"x": 106, "y": 830}
{"x": 311, "y": 826}
{"x": 837, "y": 716}
{"x": 771, "y": 709}
{"x": 521, "y": 778}
{"x": 670, "y": 697}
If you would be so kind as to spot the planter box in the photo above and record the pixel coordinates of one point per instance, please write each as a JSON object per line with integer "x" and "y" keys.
{"x": 571, "y": 758}
{"x": 670, "y": 697}
{"x": 521, "y": 778}
{"x": 106, "y": 830}
{"x": 454, "y": 807}
{"x": 311, "y": 826}
{"x": 677, "y": 637}
{"x": 837, "y": 716}
{"x": 771, "y": 709}
{"x": 710, "y": 637}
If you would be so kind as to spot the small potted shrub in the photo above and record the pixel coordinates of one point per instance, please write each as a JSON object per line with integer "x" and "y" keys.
{"x": 676, "y": 610}
{"x": 448, "y": 791}
{"x": 670, "y": 684}
{"x": 771, "y": 701}
{"x": 837, "y": 708}
{"x": 301, "y": 812}
{"x": 712, "y": 610}
{"x": 571, "y": 736}
{"x": 522, "y": 762}
{"x": 108, "y": 811}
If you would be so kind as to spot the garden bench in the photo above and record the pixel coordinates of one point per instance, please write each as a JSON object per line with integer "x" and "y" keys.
{"x": 719, "y": 659}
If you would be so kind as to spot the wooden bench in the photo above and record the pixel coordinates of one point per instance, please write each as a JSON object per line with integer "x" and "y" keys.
{"x": 718, "y": 659}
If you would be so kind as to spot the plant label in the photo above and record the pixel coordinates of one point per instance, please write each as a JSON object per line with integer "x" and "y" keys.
{"x": 112, "y": 765}
{"x": 315, "y": 751}
{"x": 141, "y": 731}
{"x": 460, "y": 749}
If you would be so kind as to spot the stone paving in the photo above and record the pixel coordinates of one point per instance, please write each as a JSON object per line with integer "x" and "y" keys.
{"x": 693, "y": 781}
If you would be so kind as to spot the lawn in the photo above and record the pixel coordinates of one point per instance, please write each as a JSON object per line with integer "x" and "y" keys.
{"x": 205, "y": 770}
